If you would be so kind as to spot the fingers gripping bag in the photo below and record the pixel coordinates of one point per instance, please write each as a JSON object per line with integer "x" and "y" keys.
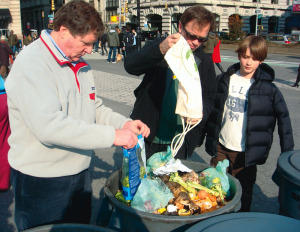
{"x": 208, "y": 175}
{"x": 133, "y": 168}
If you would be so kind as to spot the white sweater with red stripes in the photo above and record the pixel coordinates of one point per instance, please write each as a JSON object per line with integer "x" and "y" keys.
{"x": 55, "y": 118}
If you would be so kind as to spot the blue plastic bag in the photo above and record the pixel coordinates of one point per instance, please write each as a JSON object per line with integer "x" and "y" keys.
{"x": 133, "y": 169}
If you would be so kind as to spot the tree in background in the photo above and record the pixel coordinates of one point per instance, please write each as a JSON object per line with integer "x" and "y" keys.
{"x": 235, "y": 27}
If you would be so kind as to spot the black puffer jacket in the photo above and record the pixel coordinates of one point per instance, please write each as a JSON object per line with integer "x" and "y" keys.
{"x": 149, "y": 94}
{"x": 265, "y": 105}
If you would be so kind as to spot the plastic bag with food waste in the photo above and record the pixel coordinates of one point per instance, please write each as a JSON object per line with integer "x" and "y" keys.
{"x": 151, "y": 195}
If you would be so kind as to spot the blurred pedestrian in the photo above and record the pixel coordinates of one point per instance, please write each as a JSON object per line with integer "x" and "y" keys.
{"x": 4, "y": 133}
{"x": 12, "y": 41}
{"x": 216, "y": 56}
{"x": 27, "y": 39}
{"x": 121, "y": 47}
{"x": 297, "y": 79}
{"x": 128, "y": 41}
{"x": 57, "y": 121}
{"x": 113, "y": 43}
{"x": 96, "y": 46}
{"x": 5, "y": 51}
{"x": 158, "y": 35}
{"x": 103, "y": 43}
{"x": 134, "y": 39}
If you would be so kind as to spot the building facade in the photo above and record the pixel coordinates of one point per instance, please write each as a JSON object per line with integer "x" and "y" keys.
{"x": 10, "y": 17}
{"x": 273, "y": 15}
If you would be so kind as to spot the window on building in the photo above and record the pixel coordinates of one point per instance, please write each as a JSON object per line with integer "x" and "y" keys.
{"x": 112, "y": 3}
{"x": 287, "y": 2}
{"x": 274, "y": 1}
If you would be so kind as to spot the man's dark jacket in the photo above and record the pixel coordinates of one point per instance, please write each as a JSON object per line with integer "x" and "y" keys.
{"x": 150, "y": 93}
{"x": 265, "y": 105}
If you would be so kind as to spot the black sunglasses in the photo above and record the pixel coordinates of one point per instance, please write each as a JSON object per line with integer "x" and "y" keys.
{"x": 189, "y": 36}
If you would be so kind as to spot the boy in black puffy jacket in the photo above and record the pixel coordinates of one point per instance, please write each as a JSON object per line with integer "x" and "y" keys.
{"x": 247, "y": 105}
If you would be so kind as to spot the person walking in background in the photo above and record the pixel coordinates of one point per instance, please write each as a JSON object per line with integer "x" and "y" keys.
{"x": 209, "y": 45}
{"x": 103, "y": 43}
{"x": 121, "y": 47}
{"x": 57, "y": 121}
{"x": 113, "y": 43}
{"x": 128, "y": 41}
{"x": 4, "y": 133}
{"x": 5, "y": 51}
{"x": 297, "y": 79}
{"x": 134, "y": 40}
{"x": 96, "y": 45}
{"x": 156, "y": 96}
{"x": 27, "y": 39}
{"x": 242, "y": 124}
{"x": 158, "y": 35}
{"x": 12, "y": 41}
{"x": 216, "y": 56}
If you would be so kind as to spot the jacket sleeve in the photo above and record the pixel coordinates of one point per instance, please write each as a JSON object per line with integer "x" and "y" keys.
{"x": 139, "y": 61}
{"x": 284, "y": 123}
{"x": 209, "y": 86}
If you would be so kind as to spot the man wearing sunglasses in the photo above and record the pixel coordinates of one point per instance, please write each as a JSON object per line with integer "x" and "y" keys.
{"x": 156, "y": 96}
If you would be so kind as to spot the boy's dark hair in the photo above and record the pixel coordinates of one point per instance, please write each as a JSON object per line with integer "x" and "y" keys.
{"x": 80, "y": 18}
{"x": 200, "y": 14}
{"x": 257, "y": 45}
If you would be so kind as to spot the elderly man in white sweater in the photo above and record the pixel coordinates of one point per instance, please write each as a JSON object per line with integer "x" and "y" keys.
{"x": 57, "y": 121}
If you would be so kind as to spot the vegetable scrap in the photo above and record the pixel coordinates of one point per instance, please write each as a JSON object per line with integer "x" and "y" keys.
{"x": 191, "y": 195}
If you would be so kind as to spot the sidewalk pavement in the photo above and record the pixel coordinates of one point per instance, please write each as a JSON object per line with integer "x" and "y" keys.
{"x": 117, "y": 93}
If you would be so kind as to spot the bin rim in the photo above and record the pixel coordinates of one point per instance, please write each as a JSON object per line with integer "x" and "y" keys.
{"x": 250, "y": 216}
{"x": 286, "y": 168}
{"x": 189, "y": 219}
{"x": 68, "y": 225}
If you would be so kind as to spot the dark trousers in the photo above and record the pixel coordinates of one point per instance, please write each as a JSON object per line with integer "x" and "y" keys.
{"x": 42, "y": 201}
{"x": 152, "y": 148}
{"x": 128, "y": 50}
{"x": 246, "y": 175}
{"x": 120, "y": 49}
{"x": 103, "y": 48}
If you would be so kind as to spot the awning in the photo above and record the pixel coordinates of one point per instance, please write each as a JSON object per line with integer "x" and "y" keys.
{"x": 5, "y": 14}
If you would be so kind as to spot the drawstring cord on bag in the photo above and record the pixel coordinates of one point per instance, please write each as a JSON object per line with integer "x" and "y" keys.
{"x": 175, "y": 147}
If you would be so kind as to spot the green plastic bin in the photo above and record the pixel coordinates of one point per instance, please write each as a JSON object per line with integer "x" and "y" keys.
{"x": 69, "y": 228}
{"x": 288, "y": 167}
{"x": 247, "y": 222}
{"x": 117, "y": 216}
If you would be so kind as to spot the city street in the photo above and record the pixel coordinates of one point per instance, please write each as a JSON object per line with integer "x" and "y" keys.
{"x": 116, "y": 87}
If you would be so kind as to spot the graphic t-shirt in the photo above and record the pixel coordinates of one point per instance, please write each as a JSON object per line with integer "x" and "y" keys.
{"x": 234, "y": 121}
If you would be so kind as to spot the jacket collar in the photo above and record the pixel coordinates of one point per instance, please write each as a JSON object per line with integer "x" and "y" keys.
{"x": 55, "y": 52}
{"x": 263, "y": 72}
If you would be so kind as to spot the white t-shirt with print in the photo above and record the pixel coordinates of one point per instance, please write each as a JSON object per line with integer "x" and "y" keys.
{"x": 234, "y": 121}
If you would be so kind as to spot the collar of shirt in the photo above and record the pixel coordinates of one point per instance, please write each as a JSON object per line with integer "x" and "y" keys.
{"x": 48, "y": 32}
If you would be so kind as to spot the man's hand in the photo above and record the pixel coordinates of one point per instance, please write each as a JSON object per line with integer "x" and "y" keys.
{"x": 169, "y": 42}
{"x": 127, "y": 137}
{"x": 137, "y": 127}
